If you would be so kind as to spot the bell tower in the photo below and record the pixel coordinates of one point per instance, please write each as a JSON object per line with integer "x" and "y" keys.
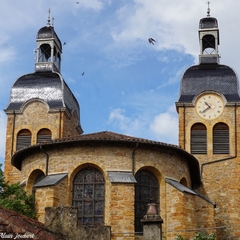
{"x": 41, "y": 107}
{"x": 209, "y": 100}
{"x": 49, "y": 49}
{"x": 208, "y": 39}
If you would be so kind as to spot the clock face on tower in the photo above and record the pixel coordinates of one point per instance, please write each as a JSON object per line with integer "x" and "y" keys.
{"x": 209, "y": 106}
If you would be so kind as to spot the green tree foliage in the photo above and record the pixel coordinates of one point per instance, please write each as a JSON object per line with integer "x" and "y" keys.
{"x": 13, "y": 197}
{"x": 199, "y": 236}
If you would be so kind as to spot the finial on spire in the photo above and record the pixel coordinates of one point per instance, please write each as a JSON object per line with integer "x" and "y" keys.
{"x": 48, "y": 22}
{"x": 53, "y": 21}
{"x": 208, "y": 10}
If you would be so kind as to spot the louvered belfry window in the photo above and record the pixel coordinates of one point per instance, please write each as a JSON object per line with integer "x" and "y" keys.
{"x": 146, "y": 191}
{"x": 198, "y": 139}
{"x": 221, "y": 138}
{"x": 24, "y": 138}
{"x": 44, "y": 135}
{"x": 89, "y": 196}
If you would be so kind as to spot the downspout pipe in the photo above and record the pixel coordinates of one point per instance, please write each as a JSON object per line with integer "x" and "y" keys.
{"x": 133, "y": 158}
{"x": 13, "y": 131}
{"x": 47, "y": 159}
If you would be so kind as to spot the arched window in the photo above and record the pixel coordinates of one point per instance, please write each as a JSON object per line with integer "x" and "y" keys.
{"x": 44, "y": 135}
{"x": 198, "y": 139}
{"x": 88, "y": 196}
{"x": 24, "y": 138}
{"x": 221, "y": 138}
{"x": 146, "y": 191}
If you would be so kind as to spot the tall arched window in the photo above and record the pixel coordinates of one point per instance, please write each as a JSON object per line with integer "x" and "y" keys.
{"x": 198, "y": 139}
{"x": 44, "y": 135}
{"x": 88, "y": 196}
{"x": 221, "y": 138}
{"x": 146, "y": 191}
{"x": 24, "y": 138}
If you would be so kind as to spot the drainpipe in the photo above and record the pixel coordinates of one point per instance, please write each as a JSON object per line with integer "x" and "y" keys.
{"x": 47, "y": 160}
{"x": 133, "y": 158}
{"x": 60, "y": 124}
{"x": 13, "y": 130}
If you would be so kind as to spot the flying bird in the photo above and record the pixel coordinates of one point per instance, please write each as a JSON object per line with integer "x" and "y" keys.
{"x": 151, "y": 41}
{"x": 82, "y": 73}
{"x": 64, "y": 43}
{"x": 77, "y": 2}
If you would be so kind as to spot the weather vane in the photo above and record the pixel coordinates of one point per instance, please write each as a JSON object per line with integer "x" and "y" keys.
{"x": 208, "y": 10}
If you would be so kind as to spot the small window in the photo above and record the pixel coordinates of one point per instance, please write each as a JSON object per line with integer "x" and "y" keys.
{"x": 44, "y": 135}
{"x": 221, "y": 138}
{"x": 24, "y": 138}
{"x": 88, "y": 197}
{"x": 198, "y": 139}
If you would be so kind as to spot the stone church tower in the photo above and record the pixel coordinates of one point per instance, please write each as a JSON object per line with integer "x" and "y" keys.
{"x": 208, "y": 101}
{"x": 209, "y": 123}
{"x": 42, "y": 106}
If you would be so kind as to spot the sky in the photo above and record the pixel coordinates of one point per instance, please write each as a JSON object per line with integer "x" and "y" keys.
{"x": 129, "y": 86}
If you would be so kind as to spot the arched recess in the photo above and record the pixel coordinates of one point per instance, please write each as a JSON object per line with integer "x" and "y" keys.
{"x": 221, "y": 138}
{"x": 44, "y": 135}
{"x": 44, "y": 53}
{"x": 183, "y": 181}
{"x": 209, "y": 44}
{"x": 146, "y": 191}
{"x": 36, "y": 176}
{"x": 24, "y": 139}
{"x": 89, "y": 196}
{"x": 198, "y": 139}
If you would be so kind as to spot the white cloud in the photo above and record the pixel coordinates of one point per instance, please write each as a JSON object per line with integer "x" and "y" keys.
{"x": 117, "y": 118}
{"x": 165, "y": 126}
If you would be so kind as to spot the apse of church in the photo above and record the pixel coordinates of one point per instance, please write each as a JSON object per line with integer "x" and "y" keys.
{"x": 109, "y": 177}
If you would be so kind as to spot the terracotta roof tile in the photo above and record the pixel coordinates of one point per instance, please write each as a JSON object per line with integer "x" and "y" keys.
{"x": 12, "y": 223}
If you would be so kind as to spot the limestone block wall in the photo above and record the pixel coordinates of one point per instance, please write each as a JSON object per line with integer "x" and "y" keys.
{"x": 119, "y": 197}
{"x": 188, "y": 116}
{"x": 35, "y": 116}
{"x": 186, "y": 213}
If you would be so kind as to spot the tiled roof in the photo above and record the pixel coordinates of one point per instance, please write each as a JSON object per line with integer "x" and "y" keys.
{"x": 213, "y": 77}
{"x": 13, "y": 224}
{"x": 111, "y": 137}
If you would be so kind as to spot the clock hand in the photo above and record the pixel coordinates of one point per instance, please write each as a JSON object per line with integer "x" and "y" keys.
{"x": 208, "y": 107}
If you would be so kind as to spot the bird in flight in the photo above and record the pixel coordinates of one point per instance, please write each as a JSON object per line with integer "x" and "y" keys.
{"x": 64, "y": 43}
{"x": 82, "y": 73}
{"x": 151, "y": 41}
{"x": 77, "y": 2}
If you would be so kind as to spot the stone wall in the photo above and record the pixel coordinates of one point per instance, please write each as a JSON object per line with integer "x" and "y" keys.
{"x": 35, "y": 116}
{"x": 220, "y": 172}
{"x": 63, "y": 220}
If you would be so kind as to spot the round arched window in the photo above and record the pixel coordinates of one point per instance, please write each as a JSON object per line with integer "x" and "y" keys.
{"x": 88, "y": 196}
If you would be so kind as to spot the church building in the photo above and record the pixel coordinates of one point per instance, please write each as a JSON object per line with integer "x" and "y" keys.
{"x": 111, "y": 178}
